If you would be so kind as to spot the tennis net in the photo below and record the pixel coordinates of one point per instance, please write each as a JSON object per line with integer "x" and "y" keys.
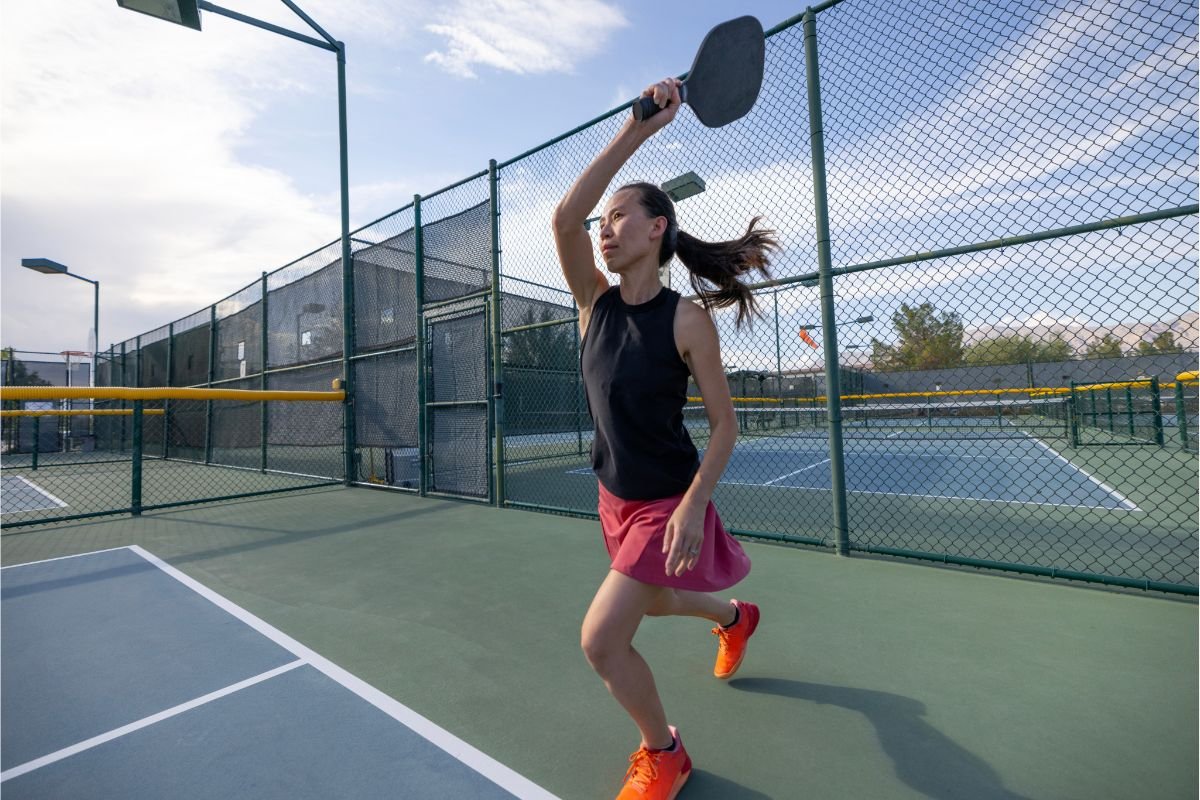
{"x": 968, "y": 419}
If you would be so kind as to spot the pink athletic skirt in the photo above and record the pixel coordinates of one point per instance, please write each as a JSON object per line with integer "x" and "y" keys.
{"x": 633, "y": 534}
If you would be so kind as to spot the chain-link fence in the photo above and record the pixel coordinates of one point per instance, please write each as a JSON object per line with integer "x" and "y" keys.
{"x": 974, "y": 347}
{"x": 156, "y": 449}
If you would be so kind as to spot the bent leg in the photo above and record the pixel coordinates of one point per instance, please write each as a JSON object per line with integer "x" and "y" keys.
{"x": 607, "y": 641}
{"x": 679, "y": 603}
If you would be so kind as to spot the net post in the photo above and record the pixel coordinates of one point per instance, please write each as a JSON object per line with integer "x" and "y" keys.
{"x": 37, "y": 438}
{"x": 1156, "y": 406}
{"x": 262, "y": 377}
{"x": 212, "y": 365}
{"x": 496, "y": 416}
{"x": 135, "y": 506}
{"x": 1181, "y": 415}
{"x": 422, "y": 360}
{"x": 170, "y": 382}
{"x": 833, "y": 400}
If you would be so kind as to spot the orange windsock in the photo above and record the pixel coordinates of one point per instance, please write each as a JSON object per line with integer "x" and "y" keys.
{"x": 808, "y": 339}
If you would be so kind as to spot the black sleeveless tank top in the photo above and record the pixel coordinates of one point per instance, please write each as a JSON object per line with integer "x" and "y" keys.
{"x": 636, "y": 387}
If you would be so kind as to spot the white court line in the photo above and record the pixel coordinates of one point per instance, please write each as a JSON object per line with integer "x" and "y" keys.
{"x": 60, "y": 558}
{"x": 39, "y": 490}
{"x": 116, "y": 733}
{"x": 477, "y": 760}
{"x": 797, "y": 472}
{"x": 1130, "y": 505}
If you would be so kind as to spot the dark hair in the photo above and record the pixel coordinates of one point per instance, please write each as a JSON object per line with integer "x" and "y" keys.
{"x": 713, "y": 267}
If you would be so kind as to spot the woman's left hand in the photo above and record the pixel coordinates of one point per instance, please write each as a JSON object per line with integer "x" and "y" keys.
{"x": 684, "y": 538}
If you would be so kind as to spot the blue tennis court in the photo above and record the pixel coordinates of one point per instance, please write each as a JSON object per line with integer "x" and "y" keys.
{"x": 1011, "y": 470}
{"x": 123, "y": 677}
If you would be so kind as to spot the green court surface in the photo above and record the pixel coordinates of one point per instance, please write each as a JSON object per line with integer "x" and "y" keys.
{"x": 866, "y": 679}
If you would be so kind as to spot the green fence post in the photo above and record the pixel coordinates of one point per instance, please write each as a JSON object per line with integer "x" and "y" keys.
{"x": 262, "y": 377}
{"x": 136, "y": 494}
{"x": 1095, "y": 412}
{"x": 1156, "y": 406}
{"x": 1129, "y": 411}
{"x": 1181, "y": 415}
{"x": 1108, "y": 400}
{"x": 37, "y": 437}
{"x": 422, "y": 434}
{"x": 833, "y": 400}
{"x": 169, "y": 382}
{"x": 123, "y": 383}
{"x": 576, "y": 373}
{"x": 212, "y": 367}
{"x": 1073, "y": 416}
{"x": 497, "y": 405}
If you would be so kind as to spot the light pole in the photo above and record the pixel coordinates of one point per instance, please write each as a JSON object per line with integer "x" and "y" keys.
{"x": 187, "y": 13}
{"x": 48, "y": 267}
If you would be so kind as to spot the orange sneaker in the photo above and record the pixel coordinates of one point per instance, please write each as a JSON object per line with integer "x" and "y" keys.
{"x": 732, "y": 646}
{"x": 657, "y": 774}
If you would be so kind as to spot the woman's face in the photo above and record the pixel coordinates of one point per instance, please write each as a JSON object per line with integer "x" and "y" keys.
{"x": 628, "y": 235}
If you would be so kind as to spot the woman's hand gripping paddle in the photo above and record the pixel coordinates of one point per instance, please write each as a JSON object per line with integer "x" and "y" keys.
{"x": 724, "y": 80}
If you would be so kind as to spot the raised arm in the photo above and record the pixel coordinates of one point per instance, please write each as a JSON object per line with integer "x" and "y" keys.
{"x": 574, "y": 245}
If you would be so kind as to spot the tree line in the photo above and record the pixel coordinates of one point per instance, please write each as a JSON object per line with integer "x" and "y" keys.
{"x": 932, "y": 339}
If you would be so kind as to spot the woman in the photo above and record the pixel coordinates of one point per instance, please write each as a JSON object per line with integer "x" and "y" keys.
{"x": 640, "y": 342}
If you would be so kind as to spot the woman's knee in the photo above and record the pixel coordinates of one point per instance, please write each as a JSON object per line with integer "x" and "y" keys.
{"x": 600, "y": 649}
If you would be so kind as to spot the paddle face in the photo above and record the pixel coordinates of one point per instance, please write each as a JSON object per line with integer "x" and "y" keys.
{"x": 723, "y": 84}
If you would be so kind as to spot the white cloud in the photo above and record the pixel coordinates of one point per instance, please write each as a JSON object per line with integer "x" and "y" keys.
{"x": 120, "y": 159}
{"x": 522, "y": 36}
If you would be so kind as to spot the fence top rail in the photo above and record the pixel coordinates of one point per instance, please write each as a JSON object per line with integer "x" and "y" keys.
{"x": 160, "y": 393}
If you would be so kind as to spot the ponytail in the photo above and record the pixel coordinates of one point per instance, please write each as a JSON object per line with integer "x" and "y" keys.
{"x": 713, "y": 267}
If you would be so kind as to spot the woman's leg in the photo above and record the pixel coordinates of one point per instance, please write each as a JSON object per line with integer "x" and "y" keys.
{"x": 607, "y": 640}
{"x": 678, "y": 603}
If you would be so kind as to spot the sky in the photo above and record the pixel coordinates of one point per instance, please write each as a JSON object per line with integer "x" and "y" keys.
{"x": 176, "y": 166}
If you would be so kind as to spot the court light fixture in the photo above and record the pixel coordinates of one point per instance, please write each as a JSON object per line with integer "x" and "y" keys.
{"x": 684, "y": 186}
{"x": 181, "y": 12}
{"x": 44, "y": 266}
{"x": 48, "y": 267}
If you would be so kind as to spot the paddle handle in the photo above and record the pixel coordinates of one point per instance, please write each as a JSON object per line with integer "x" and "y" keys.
{"x": 645, "y": 107}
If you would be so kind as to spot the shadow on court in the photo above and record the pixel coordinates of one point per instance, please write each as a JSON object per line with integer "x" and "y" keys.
{"x": 925, "y": 758}
{"x": 973, "y": 685}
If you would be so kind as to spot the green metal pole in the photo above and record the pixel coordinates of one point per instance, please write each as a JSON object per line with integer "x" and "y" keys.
{"x": 1129, "y": 411}
{"x": 212, "y": 366}
{"x": 1112, "y": 428}
{"x": 1156, "y": 406}
{"x": 348, "y": 338}
{"x": 136, "y": 498}
{"x": 1073, "y": 416}
{"x": 123, "y": 383}
{"x": 1095, "y": 413}
{"x": 422, "y": 433}
{"x": 1181, "y": 415}
{"x": 169, "y": 382}
{"x": 778, "y": 356}
{"x": 262, "y": 376}
{"x": 37, "y": 438}
{"x": 497, "y": 404}
{"x": 833, "y": 400}
{"x": 578, "y": 376}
